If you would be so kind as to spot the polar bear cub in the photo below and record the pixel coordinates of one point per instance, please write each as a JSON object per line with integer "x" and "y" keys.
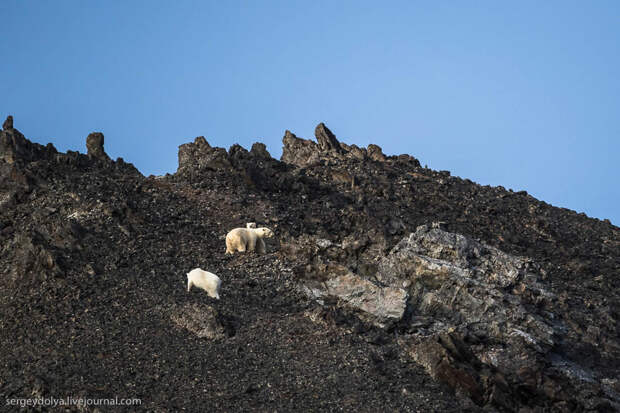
{"x": 206, "y": 280}
{"x": 247, "y": 239}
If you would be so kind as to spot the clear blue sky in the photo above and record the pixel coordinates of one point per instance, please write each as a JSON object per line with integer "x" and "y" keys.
{"x": 524, "y": 94}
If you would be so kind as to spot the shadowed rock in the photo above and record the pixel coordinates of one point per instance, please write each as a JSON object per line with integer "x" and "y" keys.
{"x": 260, "y": 150}
{"x": 8, "y": 123}
{"x": 199, "y": 155}
{"x": 14, "y": 147}
{"x": 94, "y": 146}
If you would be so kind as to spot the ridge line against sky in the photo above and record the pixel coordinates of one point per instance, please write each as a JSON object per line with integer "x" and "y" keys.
{"x": 522, "y": 95}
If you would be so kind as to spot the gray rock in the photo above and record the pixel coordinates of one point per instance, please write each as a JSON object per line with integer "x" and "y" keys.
{"x": 381, "y": 306}
{"x": 469, "y": 293}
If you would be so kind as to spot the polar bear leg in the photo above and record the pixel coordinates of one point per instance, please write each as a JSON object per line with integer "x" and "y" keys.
{"x": 260, "y": 246}
{"x": 251, "y": 244}
{"x": 229, "y": 246}
{"x": 241, "y": 245}
{"x": 190, "y": 284}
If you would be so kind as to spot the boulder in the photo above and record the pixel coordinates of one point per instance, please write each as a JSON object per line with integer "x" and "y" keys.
{"x": 199, "y": 319}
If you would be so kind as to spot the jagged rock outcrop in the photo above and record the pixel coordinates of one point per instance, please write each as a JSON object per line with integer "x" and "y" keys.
{"x": 259, "y": 150}
{"x": 14, "y": 147}
{"x": 375, "y": 153}
{"x": 199, "y": 161}
{"x": 326, "y": 139}
{"x": 94, "y": 146}
{"x": 199, "y": 155}
{"x": 303, "y": 152}
{"x": 8, "y": 123}
{"x": 19, "y": 156}
{"x": 300, "y": 152}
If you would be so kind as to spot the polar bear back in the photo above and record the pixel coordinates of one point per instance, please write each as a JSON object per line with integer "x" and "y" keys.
{"x": 205, "y": 280}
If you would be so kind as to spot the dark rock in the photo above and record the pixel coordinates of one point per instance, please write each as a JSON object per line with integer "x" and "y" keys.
{"x": 300, "y": 152}
{"x": 445, "y": 359}
{"x": 15, "y": 148}
{"x": 94, "y": 146}
{"x": 326, "y": 139}
{"x": 356, "y": 152}
{"x": 375, "y": 153}
{"x": 260, "y": 150}
{"x": 199, "y": 319}
{"x": 194, "y": 157}
{"x": 8, "y": 123}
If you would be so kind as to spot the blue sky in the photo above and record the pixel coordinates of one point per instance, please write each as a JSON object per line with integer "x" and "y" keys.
{"x": 524, "y": 94}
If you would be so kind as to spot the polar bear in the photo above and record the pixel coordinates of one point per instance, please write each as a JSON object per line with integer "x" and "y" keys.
{"x": 206, "y": 280}
{"x": 250, "y": 225}
{"x": 247, "y": 239}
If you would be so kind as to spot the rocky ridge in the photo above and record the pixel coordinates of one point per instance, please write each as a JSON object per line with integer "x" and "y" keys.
{"x": 389, "y": 286}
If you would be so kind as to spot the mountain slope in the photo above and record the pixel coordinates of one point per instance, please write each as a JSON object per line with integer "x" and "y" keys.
{"x": 94, "y": 302}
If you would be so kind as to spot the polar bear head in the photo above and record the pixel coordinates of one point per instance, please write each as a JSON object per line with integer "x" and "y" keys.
{"x": 264, "y": 232}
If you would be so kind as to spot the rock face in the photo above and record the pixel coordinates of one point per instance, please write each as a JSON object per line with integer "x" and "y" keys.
{"x": 480, "y": 318}
{"x": 381, "y": 306}
{"x": 476, "y": 318}
{"x": 388, "y": 286}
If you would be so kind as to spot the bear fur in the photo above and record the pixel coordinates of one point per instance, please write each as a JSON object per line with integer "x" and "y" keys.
{"x": 206, "y": 280}
{"x": 250, "y": 225}
{"x": 247, "y": 239}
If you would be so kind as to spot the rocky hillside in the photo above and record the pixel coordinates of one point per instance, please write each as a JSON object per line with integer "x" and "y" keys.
{"x": 388, "y": 286}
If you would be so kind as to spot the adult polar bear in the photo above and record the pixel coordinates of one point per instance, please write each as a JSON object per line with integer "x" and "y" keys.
{"x": 205, "y": 280}
{"x": 247, "y": 239}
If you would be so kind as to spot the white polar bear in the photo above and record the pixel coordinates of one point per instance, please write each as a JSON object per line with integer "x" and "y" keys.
{"x": 247, "y": 239}
{"x": 250, "y": 225}
{"x": 206, "y": 280}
